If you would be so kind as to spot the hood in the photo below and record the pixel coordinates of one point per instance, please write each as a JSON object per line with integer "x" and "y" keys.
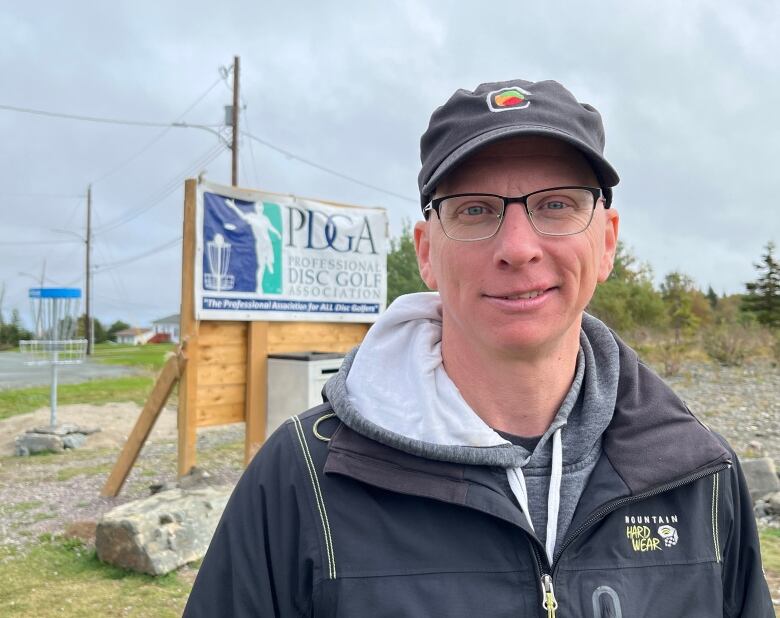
{"x": 394, "y": 389}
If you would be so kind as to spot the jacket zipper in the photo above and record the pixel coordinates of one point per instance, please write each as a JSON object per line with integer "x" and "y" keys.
{"x": 549, "y": 602}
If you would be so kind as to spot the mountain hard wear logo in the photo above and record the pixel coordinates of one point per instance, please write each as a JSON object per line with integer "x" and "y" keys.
{"x": 643, "y": 535}
{"x": 508, "y": 98}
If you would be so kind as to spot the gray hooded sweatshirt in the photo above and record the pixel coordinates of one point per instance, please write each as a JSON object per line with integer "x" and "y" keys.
{"x": 394, "y": 389}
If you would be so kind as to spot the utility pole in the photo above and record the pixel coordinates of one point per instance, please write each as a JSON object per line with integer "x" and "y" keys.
{"x": 89, "y": 331}
{"x": 236, "y": 99}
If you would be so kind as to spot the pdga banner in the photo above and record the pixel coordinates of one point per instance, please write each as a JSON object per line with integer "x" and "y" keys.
{"x": 266, "y": 256}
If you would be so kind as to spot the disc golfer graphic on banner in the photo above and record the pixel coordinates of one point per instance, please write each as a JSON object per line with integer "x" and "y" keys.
{"x": 243, "y": 245}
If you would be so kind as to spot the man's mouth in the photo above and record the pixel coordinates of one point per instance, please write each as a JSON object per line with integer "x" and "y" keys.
{"x": 521, "y": 295}
{"x": 525, "y": 295}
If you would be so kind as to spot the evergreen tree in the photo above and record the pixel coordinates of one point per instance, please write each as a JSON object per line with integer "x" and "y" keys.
{"x": 403, "y": 275}
{"x": 763, "y": 294}
{"x": 712, "y": 297}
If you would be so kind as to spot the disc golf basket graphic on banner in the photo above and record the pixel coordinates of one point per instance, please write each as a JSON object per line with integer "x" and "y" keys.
{"x": 218, "y": 252}
{"x": 56, "y": 313}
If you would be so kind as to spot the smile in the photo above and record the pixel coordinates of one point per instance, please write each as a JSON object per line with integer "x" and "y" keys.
{"x": 526, "y": 295}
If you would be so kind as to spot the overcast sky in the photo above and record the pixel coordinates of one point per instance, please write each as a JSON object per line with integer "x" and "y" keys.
{"x": 689, "y": 92}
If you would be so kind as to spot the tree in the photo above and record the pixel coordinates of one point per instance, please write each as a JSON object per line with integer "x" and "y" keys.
{"x": 12, "y": 332}
{"x": 627, "y": 299}
{"x": 100, "y": 332}
{"x": 712, "y": 297}
{"x": 403, "y": 275}
{"x": 115, "y": 328}
{"x": 763, "y": 294}
{"x": 678, "y": 291}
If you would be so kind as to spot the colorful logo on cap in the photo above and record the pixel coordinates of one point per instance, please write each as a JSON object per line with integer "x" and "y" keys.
{"x": 505, "y": 99}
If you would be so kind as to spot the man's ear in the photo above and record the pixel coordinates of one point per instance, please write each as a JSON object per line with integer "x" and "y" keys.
{"x": 422, "y": 245}
{"x": 611, "y": 225}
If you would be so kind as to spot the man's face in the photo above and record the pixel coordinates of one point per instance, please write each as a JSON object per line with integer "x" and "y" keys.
{"x": 484, "y": 285}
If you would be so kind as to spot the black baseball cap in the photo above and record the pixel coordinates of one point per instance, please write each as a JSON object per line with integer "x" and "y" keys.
{"x": 470, "y": 120}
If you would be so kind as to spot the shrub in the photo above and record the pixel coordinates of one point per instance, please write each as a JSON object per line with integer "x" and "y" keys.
{"x": 730, "y": 344}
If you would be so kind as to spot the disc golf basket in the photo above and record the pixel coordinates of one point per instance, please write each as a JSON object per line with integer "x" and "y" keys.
{"x": 56, "y": 313}
{"x": 218, "y": 252}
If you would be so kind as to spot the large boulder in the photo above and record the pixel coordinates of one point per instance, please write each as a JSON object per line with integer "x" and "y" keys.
{"x": 158, "y": 534}
{"x": 761, "y": 476}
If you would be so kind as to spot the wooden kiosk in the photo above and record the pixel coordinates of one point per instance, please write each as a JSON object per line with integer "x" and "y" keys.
{"x": 221, "y": 365}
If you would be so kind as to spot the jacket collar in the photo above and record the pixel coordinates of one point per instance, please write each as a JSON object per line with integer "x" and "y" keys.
{"x": 653, "y": 439}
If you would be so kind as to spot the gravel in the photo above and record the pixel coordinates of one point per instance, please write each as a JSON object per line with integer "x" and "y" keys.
{"x": 55, "y": 493}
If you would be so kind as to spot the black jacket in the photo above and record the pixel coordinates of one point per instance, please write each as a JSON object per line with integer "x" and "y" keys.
{"x": 351, "y": 527}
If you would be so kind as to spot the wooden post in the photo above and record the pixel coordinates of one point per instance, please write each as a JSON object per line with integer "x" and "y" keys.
{"x": 256, "y": 388}
{"x": 188, "y": 329}
{"x": 143, "y": 426}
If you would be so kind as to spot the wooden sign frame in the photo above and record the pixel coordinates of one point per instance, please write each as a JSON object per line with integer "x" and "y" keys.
{"x": 222, "y": 368}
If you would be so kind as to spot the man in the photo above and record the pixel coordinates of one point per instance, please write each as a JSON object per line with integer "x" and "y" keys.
{"x": 490, "y": 449}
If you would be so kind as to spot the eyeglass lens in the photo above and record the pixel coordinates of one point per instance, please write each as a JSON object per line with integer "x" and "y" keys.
{"x": 558, "y": 212}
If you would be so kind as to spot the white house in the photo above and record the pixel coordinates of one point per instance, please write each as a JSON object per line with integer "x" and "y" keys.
{"x": 168, "y": 325}
{"x": 134, "y": 336}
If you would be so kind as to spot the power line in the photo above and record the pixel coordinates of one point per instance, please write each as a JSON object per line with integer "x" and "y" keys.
{"x": 53, "y": 196}
{"x": 251, "y": 149}
{"x": 161, "y": 134}
{"x": 328, "y": 170}
{"x": 171, "y": 243}
{"x": 157, "y": 197}
{"x": 38, "y": 242}
{"x": 103, "y": 120}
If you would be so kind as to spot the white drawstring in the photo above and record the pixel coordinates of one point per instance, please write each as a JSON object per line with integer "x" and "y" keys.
{"x": 554, "y": 494}
{"x": 517, "y": 485}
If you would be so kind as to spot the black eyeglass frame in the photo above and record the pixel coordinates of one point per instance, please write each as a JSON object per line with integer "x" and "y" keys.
{"x": 435, "y": 204}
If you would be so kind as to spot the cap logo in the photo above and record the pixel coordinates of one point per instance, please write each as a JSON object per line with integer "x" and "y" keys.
{"x": 505, "y": 99}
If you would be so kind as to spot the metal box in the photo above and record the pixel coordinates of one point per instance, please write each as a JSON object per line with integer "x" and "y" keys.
{"x": 295, "y": 382}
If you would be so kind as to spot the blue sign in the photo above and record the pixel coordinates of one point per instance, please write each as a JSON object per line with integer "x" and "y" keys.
{"x": 55, "y": 292}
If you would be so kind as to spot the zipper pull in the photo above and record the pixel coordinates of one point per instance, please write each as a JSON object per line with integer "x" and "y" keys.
{"x": 548, "y": 595}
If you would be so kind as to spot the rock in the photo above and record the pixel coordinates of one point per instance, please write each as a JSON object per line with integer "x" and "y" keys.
{"x": 31, "y": 443}
{"x": 761, "y": 508}
{"x": 761, "y": 476}
{"x": 156, "y": 488}
{"x": 64, "y": 429}
{"x": 74, "y": 440}
{"x": 773, "y": 503}
{"x": 196, "y": 477}
{"x": 755, "y": 448}
{"x": 158, "y": 534}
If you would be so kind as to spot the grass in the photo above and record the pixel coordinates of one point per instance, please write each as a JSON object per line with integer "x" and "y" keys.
{"x": 130, "y": 388}
{"x": 150, "y": 356}
{"x": 770, "y": 549}
{"x": 65, "y": 474}
{"x": 61, "y": 577}
{"x": 21, "y": 507}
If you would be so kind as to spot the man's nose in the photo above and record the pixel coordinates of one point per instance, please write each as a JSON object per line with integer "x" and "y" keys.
{"x": 517, "y": 242}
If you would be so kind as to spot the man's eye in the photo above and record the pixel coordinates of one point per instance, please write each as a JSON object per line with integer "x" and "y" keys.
{"x": 554, "y": 205}
{"x": 476, "y": 209}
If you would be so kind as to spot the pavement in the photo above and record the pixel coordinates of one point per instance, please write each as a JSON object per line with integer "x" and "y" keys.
{"x": 15, "y": 374}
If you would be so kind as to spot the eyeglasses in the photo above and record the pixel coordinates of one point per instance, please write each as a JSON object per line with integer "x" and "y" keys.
{"x": 561, "y": 211}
